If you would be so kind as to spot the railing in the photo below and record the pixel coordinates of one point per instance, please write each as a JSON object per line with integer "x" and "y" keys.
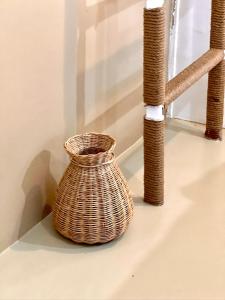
{"x": 158, "y": 94}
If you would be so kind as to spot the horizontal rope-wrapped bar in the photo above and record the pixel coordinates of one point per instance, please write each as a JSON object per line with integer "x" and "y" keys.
{"x": 192, "y": 74}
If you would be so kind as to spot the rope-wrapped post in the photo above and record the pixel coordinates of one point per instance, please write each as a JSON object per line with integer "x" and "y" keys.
{"x": 215, "y": 103}
{"x": 154, "y": 98}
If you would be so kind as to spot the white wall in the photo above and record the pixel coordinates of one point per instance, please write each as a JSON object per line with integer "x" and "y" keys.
{"x": 33, "y": 118}
{"x": 67, "y": 66}
{"x": 193, "y": 41}
{"x": 109, "y": 82}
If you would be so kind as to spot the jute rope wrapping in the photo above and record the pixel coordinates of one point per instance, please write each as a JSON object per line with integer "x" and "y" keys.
{"x": 215, "y": 103}
{"x": 93, "y": 202}
{"x": 176, "y": 86}
{"x": 154, "y": 90}
{"x": 154, "y": 94}
{"x": 154, "y": 56}
{"x": 154, "y": 162}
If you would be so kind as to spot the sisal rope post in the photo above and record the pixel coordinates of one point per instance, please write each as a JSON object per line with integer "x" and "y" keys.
{"x": 154, "y": 98}
{"x": 215, "y": 102}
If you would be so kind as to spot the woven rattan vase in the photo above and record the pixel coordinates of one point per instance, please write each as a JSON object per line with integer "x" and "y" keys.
{"x": 93, "y": 202}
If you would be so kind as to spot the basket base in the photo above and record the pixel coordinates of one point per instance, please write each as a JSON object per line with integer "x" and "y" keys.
{"x": 89, "y": 243}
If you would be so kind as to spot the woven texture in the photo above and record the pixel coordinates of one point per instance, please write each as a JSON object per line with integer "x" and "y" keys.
{"x": 93, "y": 203}
{"x": 215, "y": 103}
{"x": 154, "y": 94}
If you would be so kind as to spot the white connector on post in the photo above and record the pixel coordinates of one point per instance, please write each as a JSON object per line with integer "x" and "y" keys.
{"x": 154, "y": 113}
{"x": 150, "y": 4}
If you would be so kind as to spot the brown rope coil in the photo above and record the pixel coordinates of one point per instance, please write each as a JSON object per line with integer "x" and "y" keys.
{"x": 154, "y": 94}
{"x": 154, "y": 56}
{"x": 217, "y": 37}
{"x": 154, "y": 162}
{"x": 215, "y": 103}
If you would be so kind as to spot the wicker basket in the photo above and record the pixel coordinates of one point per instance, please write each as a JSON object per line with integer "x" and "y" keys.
{"x": 93, "y": 202}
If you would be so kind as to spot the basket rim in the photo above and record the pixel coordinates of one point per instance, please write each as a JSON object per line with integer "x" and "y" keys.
{"x": 72, "y": 138}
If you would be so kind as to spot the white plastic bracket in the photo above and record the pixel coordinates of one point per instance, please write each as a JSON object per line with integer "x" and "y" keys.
{"x": 150, "y": 4}
{"x": 154, "y": 113}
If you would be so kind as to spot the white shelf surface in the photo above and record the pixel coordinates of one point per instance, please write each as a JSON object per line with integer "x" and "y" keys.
{"x": 176, "y": 251}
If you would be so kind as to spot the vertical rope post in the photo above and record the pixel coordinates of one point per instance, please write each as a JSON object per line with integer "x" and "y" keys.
{"x": 215, "y": 103}
{"x": 154, "y": 98}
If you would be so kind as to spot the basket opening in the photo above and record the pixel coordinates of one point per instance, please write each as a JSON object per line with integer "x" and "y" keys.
{"x": 89, "y": 145}
{"x": 91, "y": 150}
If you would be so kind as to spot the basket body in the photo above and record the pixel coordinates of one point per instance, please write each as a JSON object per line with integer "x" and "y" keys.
{"x": 93, "y": 203}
